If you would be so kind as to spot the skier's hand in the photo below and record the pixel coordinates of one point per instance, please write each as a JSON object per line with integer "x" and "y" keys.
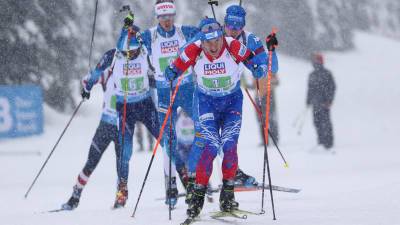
{"x": 271, "y": 42}
{"x": 128, "y": 21}
{"x": 85, "y": 94}
{"x": 170, "y": 73}
{"x": 260, "y": 71}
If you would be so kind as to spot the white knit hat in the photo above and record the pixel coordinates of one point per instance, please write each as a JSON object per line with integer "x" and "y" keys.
{"x": 165, "y": 8}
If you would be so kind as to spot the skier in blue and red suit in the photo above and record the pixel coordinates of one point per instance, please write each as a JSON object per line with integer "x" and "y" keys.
{"x": 215, "y": 60}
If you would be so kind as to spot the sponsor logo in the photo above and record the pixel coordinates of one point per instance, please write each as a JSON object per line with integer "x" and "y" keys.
{"x": 207, "y": 116}
{"x": 132, "y": 69}
{"x": 165, "y": 6}
{"x": 214, "y": 68}
{"x": 169, "y": 46}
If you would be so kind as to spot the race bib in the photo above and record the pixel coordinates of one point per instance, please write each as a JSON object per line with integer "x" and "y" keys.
{"x": 135, "y": 84}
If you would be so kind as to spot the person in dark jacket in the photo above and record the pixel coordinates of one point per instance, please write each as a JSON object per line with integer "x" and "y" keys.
{"x": 320, "y": 95}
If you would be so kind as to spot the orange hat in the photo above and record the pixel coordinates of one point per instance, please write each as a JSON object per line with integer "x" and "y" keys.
{"x": 317, "y": 58}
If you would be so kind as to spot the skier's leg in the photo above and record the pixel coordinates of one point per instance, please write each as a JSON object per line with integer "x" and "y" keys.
{"x": 139, "y": 135}
{"x": 318, "y": 123}
{"x": 326, "y": 128}
{"x": 232, "y": 122}
{"x": 125, "y": 142}
{"x": 163, "y": 104}
{"x": 100, "y": 142}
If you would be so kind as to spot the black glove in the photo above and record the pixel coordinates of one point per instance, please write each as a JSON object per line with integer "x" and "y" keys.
{"x": 271, "y": 42}
{"x": 84, "y": 94}
{"x": 128, "y": 21}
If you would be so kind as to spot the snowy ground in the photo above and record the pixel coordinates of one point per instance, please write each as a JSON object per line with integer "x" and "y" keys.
{"x": 357, "y": 186}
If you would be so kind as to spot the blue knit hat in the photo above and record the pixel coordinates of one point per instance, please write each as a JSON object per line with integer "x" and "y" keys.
{"x": 235, "y": 17}
{"x": 210, "y": 29}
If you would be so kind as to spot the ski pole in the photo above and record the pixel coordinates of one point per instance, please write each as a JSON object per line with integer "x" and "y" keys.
{"x": 266, "y": 160}
{"x": 212, "y": 3}
{"x": 158, "y": 141}
{"x": 302, "y": 120}
{"x": 170, "y": 155}
{"x": 54, "y": 148}
{"x": 93, "y": 30}
{"x": 259, "y": 113}
{"x": 75, "y": 111}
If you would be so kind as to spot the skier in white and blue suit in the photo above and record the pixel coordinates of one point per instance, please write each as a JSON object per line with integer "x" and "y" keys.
{"x": 129, "y": 66}
{"x": 163, "y": 42}
{"x": 106, "y": 132}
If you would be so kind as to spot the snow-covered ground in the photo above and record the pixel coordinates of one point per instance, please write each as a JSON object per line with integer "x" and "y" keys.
{"x": 357, "y": 186}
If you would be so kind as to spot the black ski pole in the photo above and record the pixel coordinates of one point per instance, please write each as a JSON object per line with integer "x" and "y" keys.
{"x": 170, "y": 154}
{"x": 212, "y": 3}
{"x": 54, "y": 148}
{"x": 93, "y": 30}
{"x": 240, "y": 3}
{"x": 75, "y": 111}
{"x": 169, "y": 111}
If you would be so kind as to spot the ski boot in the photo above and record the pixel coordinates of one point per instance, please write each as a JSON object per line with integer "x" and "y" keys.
{"x": 227, "y": 201}
{"x": 242, "y": 179}
{"x": 190, "y": 189}
{"x": 197, "y": 201}
{"x": 73, "y": 201}
{"x": 122, "y": 195}
{"x": 171, "y": 193}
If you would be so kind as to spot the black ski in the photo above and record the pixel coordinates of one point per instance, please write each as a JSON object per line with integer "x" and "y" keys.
{"x": 246, "y": 188}
{"x": 188, "y": 221}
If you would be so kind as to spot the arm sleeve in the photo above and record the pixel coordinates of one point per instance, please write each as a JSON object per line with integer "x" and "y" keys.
{"x": 331, "y": 87}
{"x": 309, "y": 91}
{"x": 186, "y": 58}
{"x": 240, "y": 52}
{"x": 260, "y": 55}
{"x": 146, "y": 36}
{"x": 93, "y": 77}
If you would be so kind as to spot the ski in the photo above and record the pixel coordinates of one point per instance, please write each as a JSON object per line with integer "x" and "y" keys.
{"x": 188, "y": 221}
{"x": 246, "y": 188}
{"x": 239, "y": 214}
{"x": 55, "y": 210}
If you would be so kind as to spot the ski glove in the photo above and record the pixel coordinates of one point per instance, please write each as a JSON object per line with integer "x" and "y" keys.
{"x": 170, "y": 73}
{"x": 260, "y": 71}
{"x": 128, "y": 21}
{"x": 85, "y": 94}
{"x": 271, "y": 42}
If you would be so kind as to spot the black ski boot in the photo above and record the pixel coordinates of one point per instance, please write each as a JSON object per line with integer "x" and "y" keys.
{"x": 190, "y": 189}
{"x": 227, "y": 201}
{"x": 197, "y": 201}
{"x": 171, "y": 194}
{"x": 73, "y": 201}
{"x": 242, "y": 179}
{"x": 122, "y": 195}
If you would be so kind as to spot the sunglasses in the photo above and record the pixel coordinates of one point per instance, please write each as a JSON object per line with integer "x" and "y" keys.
{"x": 210, "y": 27}
{"x": 166, "y": 17}
{"x": 230, "y": 27}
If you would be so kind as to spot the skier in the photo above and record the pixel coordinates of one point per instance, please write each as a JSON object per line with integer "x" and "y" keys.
{"x": 320, "y": 94}
{"x": 215, "y": 60}
{"x": 129, "y": 66}
{"x": 234, "y": 23}
{"x": 106, "y": 132}
{"x": 163, "y": 42}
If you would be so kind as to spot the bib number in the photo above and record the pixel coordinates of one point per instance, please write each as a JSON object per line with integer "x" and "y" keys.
{"x": 132, "y": 84}
{"x": 223, "y": 83}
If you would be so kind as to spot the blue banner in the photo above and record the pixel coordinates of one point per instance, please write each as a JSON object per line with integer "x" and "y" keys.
{"x": 21, "y": 111}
